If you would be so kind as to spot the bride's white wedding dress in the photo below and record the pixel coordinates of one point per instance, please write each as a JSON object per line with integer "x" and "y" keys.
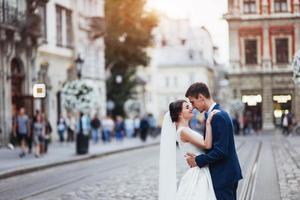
{"x": 196, "y": 184}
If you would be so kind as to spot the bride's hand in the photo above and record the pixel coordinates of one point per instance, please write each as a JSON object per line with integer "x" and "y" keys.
{"x": 210, "y": 116}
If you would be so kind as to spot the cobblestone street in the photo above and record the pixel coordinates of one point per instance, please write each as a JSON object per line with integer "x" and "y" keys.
{"x": 134, "y": 174}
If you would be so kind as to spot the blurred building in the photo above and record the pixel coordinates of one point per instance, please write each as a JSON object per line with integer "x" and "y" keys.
{"x": 264, "y": 36}
{"x": 69, "y": 40}
{"x": 46, "y": 45}
{"x": 19, "y": 38}
{"x": 182, "y": 55}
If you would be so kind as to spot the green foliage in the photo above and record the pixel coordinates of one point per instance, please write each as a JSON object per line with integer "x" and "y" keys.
{"x": 128, "y": 35}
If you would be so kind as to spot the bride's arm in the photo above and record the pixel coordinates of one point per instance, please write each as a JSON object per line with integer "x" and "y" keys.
{"x": 197, "y": 140}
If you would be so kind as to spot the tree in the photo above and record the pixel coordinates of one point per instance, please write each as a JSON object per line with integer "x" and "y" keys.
{"x": 128, "y": 35}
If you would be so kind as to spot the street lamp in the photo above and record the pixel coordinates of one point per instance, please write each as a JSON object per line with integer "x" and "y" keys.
{"x": 119, "y": 79}
{"x": 79, "y": 62}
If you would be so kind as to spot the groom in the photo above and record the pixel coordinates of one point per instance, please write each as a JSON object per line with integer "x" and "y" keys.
{"x": 221, "y": 158}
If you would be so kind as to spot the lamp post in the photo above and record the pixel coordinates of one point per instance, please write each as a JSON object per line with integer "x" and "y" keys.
{"x": 79, "y": 63}
{"x": 82, "y": 140}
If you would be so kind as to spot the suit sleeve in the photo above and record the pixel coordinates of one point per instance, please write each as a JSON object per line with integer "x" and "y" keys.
{"x": 220, "y": 143}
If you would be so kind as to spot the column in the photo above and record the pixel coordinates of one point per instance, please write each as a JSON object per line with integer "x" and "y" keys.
{"x": 266, "y": 60}
{"x": 297, "y": 101}
{"x": 297, "y": 36}
{"x": 265, "y": 10}
{"x": 267, "y": 104}
{"x": 1, "y": 96}
{"x": 234, "y": 54}
{"x": 296, "y": 6}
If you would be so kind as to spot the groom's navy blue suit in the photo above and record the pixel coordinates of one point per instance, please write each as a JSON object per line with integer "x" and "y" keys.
{"x": 222, "y": 158}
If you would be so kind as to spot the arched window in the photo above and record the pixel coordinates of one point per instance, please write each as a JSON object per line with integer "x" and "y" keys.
{"x": 280, "y": 6}
{"x": 250, "y": 6}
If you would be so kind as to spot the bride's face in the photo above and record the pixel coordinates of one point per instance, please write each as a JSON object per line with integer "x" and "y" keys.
{"x": 186, "y": 112}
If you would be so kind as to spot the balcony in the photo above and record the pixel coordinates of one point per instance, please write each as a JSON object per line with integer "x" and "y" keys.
{"x": 12, "y": 12}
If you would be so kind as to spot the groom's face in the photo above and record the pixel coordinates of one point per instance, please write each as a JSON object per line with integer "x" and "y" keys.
{"x": 198, "y": 103}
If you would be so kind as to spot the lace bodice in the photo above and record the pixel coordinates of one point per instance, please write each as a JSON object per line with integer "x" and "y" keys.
{"x": 187, "y": 146}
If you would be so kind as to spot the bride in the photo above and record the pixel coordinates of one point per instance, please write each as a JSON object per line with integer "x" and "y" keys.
{"x": 196, "y": 184}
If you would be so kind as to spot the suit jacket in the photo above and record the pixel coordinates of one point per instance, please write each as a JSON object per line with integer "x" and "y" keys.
{"x": 221, "y": 158}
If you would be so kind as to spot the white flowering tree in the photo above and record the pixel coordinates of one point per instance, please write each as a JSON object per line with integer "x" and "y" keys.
{"x": 80, "y": 96}
{"x": 296, "y": 68}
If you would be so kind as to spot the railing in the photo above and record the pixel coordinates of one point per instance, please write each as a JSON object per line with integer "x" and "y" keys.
{"x": 12, "y": 11}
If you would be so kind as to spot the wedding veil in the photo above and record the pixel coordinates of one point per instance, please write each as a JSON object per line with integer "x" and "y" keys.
{"x": 167, "y": 160}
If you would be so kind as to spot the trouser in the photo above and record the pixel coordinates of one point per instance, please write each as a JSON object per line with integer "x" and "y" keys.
{"x": 61, "y": 136}
{"x": 70, "y": 136}
{"x": 106, "y": 135}
{"x": 227, "y": 192}
{"x": 95, "y": 136}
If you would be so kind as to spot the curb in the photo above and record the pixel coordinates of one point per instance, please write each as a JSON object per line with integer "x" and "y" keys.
{"x": 27, "y": 170}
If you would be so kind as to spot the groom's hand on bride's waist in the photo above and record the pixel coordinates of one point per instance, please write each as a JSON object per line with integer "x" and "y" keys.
{"x": 191, "y": 159}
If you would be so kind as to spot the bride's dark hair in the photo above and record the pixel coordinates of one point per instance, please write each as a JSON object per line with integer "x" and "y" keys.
{"x": 175, "y": 109}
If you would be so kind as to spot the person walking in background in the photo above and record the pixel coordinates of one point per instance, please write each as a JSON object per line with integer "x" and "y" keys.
{"x": 48, "y": 131}
{"x": 38, "y": 135}
{"x": 86, "y": 124}
{"x": 95, "y": 125}
{"x": 30, "y": 139}
{"x": 137, "y": 123}
{"x": 152, "y": 125}
{"x": 144, "y": 128}
{"x": 71, "y": 127}
{"x": 119, "y": 128}
{"x": 61, "y": 127}
{"x": 108, "y": 127}
{"x": 236, "y": 124}
{"x": 22, "y": 128}
{"x": 129, "y": 127}
{"x": 285, "y": 125}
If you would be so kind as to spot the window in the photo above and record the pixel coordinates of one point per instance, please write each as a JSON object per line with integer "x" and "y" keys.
{"x": 191, "y": 54}
{"x": 167, "y": 81}
{"x": 282, "y": 50}
{"x": 64, "y": 30}
{"x": 280, "y": 6}
{"x": 249, "y": 6}
{"x": 251, "y": 51}
{"x": 1, "y": 10}
{"x": 175, "y": 81}
{"x": 43, "y": 15}
{"x": 69, "y": 29}
{"x": 58, "y": 26}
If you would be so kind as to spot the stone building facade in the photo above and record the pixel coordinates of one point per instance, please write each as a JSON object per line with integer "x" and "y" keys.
{"x": 19, "y": 38}
{"x": 264, "y": 35}
{"x": 182, "y": 55}
{"x": 40, "y": 41}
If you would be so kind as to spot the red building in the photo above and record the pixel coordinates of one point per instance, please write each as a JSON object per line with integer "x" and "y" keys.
{"x": 264, "y": 36}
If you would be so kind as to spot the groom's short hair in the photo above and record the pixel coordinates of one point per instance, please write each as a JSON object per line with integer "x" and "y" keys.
{"x": 198, "y": 88}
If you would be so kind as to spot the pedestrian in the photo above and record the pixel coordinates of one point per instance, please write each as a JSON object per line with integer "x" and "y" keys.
{"x": 61, "y": 127}
{"x": 86, "y": 124}
{"x": 152, "y": 125}
{"x": 236, "y": 124}
{"x": 129, "y": 127}
{"x": 285, "y": 125}
{"x": 95, "y": 125}
{"x": 71, "y": 127}
{"x": 38, "y": 135}
{"x": 48, "y": 131}
{"x": 31, "y": 137}
{"x": 108, "y": 128}
{"x": 119, "y": 128}
{"x": 23, "y": 130}
{"x": 137, "y": 123}
{"x": 246, "y": 125}
{"x": 144, "y": 128}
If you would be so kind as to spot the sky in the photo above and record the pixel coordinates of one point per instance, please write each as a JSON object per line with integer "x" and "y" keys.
{"x": 206, "y": 13}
